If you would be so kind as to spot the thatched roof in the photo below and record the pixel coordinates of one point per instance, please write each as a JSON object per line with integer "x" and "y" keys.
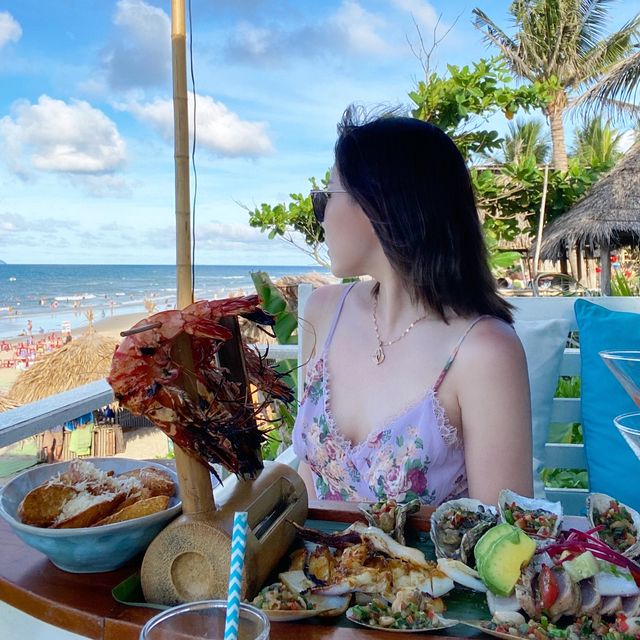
{"x": 7, "y": 403}
{"x": 608, "y": 214}
{"x": 79, "y": 362}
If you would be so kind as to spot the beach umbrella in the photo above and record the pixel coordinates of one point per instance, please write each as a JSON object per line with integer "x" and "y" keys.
{"x": 7, "y": 403}
{"x": 607, "y": 216}
{"x": 83, "y": 360}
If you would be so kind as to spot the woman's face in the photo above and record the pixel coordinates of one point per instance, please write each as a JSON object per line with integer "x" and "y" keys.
{"x": 349, "y": 235}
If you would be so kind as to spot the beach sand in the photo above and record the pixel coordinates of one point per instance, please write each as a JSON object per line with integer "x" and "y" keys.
{"x": 108, "y": 327}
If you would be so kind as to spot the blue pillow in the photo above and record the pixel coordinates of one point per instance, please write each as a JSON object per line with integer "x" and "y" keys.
{"x": 613, "y": 467}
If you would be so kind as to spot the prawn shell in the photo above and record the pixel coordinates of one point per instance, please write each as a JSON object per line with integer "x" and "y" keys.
{"x": 444, "y": 550}
{"x": 506, "y": 497}
{"x": 600, "y": 501}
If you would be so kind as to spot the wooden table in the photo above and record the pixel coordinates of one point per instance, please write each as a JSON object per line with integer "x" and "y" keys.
{"x": 83, "y": 604}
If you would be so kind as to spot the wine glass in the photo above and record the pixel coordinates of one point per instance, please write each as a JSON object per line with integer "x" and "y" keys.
{"x": 625, "y": 366}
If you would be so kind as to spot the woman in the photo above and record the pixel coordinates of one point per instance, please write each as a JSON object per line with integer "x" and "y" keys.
{"x": 417, "y": 384}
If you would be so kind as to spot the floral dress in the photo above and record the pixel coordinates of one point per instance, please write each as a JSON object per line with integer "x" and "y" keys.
{"x": 416, "y": 455}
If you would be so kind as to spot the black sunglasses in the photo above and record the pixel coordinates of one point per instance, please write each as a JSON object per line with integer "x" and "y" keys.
{"x": 319, "y": 199}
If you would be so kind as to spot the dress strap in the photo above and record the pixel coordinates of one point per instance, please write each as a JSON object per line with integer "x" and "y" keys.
{"x": 336, "y": 315}
{"x": 454, "y": 353}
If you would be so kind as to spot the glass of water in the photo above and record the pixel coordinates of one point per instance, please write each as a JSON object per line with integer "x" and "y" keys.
{"x": 205, "y": 621}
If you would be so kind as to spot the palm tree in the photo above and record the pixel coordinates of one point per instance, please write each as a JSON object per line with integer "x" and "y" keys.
{"x": 526, "y": 139}
{"x": 596, "y": 144}
{"x": 617, "y": 87}
{"x": 562, "y": 43}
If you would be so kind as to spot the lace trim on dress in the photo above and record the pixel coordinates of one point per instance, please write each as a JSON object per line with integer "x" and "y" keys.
{"x": 447, "y": 431}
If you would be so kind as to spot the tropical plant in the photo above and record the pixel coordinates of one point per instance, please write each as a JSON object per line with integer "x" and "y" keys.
{"x": 525, "y": 139}
{"x": 566, "y": 433}
{"x": 285, "y": 326}
{"x": 596, "y": 144}
{"x": 462, "y": 101}
{"x": 294, "y": 222}
{"x": 561, "y": 43}
{"x": 616, "y": 89}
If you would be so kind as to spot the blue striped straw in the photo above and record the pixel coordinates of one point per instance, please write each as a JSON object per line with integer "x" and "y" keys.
{"x": 238, "y": 546}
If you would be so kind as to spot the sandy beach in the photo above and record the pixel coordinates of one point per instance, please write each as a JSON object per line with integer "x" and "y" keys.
{"x": 107, "y": 326}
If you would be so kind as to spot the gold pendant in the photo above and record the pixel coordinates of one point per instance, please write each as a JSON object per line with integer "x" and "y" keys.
{"x": 378, "y": 357}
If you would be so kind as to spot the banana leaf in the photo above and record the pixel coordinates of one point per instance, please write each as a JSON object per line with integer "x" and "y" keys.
{"x": 274, "y": 303}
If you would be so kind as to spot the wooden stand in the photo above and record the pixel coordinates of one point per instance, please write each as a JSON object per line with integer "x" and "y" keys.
{"x": 190, "y": 559}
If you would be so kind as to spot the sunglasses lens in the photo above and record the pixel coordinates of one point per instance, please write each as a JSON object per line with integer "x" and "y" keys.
{"x": 319, "y": 201}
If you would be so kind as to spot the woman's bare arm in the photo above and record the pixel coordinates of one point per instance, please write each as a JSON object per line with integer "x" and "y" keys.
{"x": 305, "y": 473}
{"x": 314, "y": 328}
{"x": 496, "y": 412}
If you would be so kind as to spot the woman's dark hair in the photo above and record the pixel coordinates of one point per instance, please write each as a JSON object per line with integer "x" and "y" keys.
{"x": 412, "y": 183}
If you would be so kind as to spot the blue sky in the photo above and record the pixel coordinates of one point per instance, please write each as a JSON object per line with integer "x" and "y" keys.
{"x": 86, "y": 169}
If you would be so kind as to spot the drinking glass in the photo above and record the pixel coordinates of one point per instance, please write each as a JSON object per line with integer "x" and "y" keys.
{"x": 625, "y": 366}
{"x": 628, "y": 425}
{"x": 205, "y": 620}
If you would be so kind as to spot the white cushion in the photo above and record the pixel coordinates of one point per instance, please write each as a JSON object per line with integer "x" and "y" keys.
{"x": 544, "y": 342}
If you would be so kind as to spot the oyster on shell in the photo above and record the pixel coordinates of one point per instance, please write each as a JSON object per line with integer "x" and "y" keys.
{"x": 389, "y": 516}
{"x": 539, "y": 519}
{"x": 621, "y": 523}
{"x": 459, "y": 523}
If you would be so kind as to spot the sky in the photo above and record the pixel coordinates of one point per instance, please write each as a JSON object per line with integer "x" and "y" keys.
{"x": 86, "y": 122}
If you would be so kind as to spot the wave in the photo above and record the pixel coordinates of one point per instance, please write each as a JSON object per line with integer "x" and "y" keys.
{"x": 86, "y": 296}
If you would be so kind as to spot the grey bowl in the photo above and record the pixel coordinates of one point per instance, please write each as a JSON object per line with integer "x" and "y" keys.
{"x": 89, "y": 549}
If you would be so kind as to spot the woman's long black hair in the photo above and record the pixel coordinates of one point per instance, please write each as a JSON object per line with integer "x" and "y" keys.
{"x": 412, "y": 183}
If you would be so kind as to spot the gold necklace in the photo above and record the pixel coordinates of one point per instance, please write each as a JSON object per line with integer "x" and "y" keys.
{"x": 378, "y": 356}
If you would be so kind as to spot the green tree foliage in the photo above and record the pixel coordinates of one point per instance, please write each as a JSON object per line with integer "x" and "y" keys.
{"x": 461, "y": 102}
{"x": 596, "y": 144}
{"x": 525, "y": 139}
{"x": 564, "y": 43}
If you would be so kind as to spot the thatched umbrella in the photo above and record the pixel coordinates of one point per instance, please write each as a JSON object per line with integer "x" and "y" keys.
{"x": 78, "y": 362}
{"x": 7, "y": 403}
{"x": 608, "y": 217}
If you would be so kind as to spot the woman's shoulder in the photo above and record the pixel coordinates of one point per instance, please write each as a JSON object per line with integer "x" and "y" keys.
{"x": 323, "y": 301}
{"x": 491, "y": 339}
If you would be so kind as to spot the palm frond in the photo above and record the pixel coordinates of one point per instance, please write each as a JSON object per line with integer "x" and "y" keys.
{"x": 617, "y": 89}
{"x": 509, "y": 47}
{"x": 594, "y": 15}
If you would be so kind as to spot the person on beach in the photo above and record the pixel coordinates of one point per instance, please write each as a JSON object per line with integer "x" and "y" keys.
{"x": 416, "y": 383}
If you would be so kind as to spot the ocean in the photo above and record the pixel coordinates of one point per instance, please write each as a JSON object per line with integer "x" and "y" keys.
{"x": 57, "y": 296}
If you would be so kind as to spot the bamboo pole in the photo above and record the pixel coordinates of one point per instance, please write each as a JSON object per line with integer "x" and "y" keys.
{"x": 536, "y": 256}
{"x": 195, "y": 482}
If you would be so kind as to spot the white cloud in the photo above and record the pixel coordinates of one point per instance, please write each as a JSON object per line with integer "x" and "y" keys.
{"x": 423, "y": 12}
{"x": 140, "y": 55}
{"x": 219, "y": 129}
{"x": 361, "y": 28}
{"x": 54, "y": 136}
{"x": 10, "y": 29}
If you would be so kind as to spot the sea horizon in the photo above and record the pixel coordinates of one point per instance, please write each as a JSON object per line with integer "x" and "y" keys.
{"x": 57, "y": 297}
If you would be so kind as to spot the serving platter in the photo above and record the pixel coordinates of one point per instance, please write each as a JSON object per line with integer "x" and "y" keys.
{"x": 479, "y": 626}
{"x": 445, "y": 624}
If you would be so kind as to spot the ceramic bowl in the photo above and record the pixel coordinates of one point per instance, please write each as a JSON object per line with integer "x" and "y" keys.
{"x": 89, "y": 549}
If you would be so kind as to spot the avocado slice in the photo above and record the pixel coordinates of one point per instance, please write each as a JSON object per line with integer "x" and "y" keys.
{"x": 500, "y": 565}
{"x": 487, "y": 540}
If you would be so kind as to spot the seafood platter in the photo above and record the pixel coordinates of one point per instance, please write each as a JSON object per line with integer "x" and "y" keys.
{"x": 528, "y": 571}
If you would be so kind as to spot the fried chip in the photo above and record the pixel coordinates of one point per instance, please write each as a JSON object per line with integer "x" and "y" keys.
{"x": 137, "y": 510}
{"x": 97, "y": 509}
{"x": 41, "y": 506}
{"x": 159, "y": 482}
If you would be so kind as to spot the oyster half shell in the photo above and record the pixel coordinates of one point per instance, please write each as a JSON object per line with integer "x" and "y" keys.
{"x": 544, "y": 518}
{"x": 389, "y": 516}
{"x": 456, "y": 526}
{"x": 624, "y": 535}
